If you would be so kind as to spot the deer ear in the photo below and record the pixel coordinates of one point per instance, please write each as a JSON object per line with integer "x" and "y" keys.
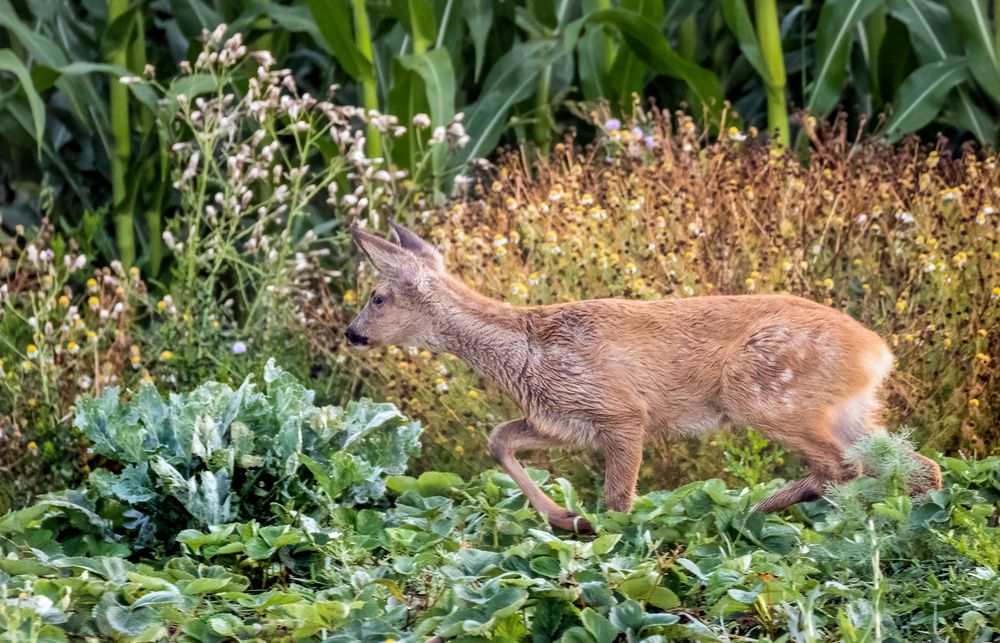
{"x": 386, "y": 256}
{"x": 412, "y": 242}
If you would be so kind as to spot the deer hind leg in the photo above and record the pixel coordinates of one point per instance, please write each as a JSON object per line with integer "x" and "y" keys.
{"x": 861, "y": 416}
{"x": 813, "y": 438}
{"x": 517, "y": 435}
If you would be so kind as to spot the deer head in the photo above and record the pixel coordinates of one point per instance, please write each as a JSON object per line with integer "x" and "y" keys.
{"x": 399, "y": 309}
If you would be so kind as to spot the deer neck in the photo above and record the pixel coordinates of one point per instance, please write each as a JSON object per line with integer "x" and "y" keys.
{"x": 489, "y": 335}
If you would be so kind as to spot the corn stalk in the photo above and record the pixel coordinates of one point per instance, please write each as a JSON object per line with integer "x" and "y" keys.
{"x": 369, "y": 84}
{"x": 766, "y": 13}
{"x": 122, "y": 149}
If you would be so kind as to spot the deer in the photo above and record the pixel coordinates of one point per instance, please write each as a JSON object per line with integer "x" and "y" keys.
{"x": 611, "y": 374}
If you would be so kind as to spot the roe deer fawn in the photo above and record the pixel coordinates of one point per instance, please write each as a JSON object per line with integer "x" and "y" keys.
{"x": 608, "y": 373}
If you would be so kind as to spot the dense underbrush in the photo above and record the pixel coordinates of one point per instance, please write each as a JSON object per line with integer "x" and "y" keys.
{"x": 252, "y": 514}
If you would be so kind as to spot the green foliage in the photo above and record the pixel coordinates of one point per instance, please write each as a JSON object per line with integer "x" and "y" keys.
{"x": 516, "y": 69}
{"x": 216, "y": 455}
{"x": 469, "y": 560}
{"x": 753, "y": 460}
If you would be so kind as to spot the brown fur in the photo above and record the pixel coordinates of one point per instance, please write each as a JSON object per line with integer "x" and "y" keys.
{"x": 611, "y": 373}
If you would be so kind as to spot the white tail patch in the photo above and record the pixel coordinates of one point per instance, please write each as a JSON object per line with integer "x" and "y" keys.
{"x": 861, "y": 415}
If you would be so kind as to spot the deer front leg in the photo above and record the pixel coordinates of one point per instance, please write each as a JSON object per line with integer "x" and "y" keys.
{"x": 509, "y": 438}
{"x": 622, "y": 459}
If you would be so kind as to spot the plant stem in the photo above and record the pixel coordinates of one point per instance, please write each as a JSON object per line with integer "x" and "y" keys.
{"x": 543, "y": 121}
{"x": 766, "y": 14}
{"x": 369, "y": 85}
{"x": 122, "y": 149}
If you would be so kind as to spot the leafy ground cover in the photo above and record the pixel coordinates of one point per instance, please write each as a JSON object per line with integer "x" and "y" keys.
{"x": 250, "y": 513}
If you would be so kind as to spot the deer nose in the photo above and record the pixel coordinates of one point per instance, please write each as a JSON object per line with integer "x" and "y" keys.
{"x": 355, "y": 338}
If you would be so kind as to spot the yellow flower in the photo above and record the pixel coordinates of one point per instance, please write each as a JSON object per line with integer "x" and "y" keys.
{"x": 215, "y": 324}
{"x": 64, "y": 301}
{"x": 473, "y": 393}
{"x": 161, "y": 305}
{"x": 166, "y": 355}
{"x": 974, "y": 403}
{"x": 91, "y": 337}
{"x": 92, "y": 285}
{"x": 901, "y": 305}
{"x": 32, "y": 446}
{"x": 947, "y": 342}
{"x": 32, "y": 351}
{"x": 983, "y": 357}
{"x": 828, "y": 282}
{"x": 349, "y": 297}
{"x": 459, "y": 449}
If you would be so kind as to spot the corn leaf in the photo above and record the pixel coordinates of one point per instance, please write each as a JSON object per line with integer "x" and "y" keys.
{"x": 923, "y": 93}
{"x": 649, "y": 44}
{"x": 973, "y": 21}
{"x": 834, "y": 36}
{"x": 11, "y": 63}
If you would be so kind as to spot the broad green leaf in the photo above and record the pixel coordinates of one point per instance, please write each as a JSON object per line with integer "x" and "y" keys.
{"x": 835, "y": 33}
{"x": 205, "y": 586}
{"x": 479, "y": 18}
{"x": 510, "y": 81}
{"x": 966, "y": 114}
{"x": 158, "y": 598}
{"x": 334, "y": 19}
{"x": 435, "y": 69}
{"x": 973, "y": 21}
{"x": 935, "y": 37}
{"x": 738, "y": 20}
{"x": 436, "y": 483}
{"x": 646, "y": 41}
{"x": 193, "y": 16}
{"x": 599, "y": 627}
{"x": 922, "y": 95}
{"x": 932, "y": 32}
{"x": 626, "y": 616}
{"x": 628, "y": 71}
{"x": 11, "y": 63}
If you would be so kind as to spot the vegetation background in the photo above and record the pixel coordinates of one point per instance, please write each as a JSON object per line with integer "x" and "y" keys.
{"x": 94, "y": 131}
{"x": 176, "y": 181}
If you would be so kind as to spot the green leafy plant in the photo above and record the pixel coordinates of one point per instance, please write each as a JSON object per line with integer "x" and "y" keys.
{"x": 216, "y": 454}
{"x": 437, "y": 555}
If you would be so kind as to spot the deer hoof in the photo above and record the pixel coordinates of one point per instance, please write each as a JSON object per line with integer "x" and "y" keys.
{"x": 572, "y": 521}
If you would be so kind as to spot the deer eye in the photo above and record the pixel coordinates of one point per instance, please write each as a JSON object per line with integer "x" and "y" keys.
{"x": 378, "y": 300}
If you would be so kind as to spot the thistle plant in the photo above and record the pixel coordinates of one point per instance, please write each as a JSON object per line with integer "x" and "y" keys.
{"x": 65, "y": 328}
{"x": 268, "y": 180}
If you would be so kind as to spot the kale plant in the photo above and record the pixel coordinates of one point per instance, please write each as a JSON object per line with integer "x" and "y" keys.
{"x": 217, "y": 455}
